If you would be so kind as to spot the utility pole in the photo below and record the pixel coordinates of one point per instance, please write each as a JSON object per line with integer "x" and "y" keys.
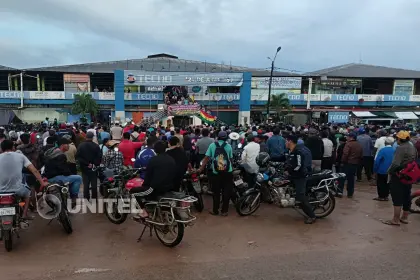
{"x": 271, "y": 81}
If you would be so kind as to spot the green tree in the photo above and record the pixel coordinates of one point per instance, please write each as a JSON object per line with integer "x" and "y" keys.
{"x": 280, "y": 103}
{"x": 84, "y": 104}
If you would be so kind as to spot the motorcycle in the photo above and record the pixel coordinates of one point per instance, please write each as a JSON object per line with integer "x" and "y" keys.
{"x": 11, "y": 212}
{"x": 167, "y": 213}
{"x": 104, "y": 175}
{"x": 191, "y": 186}
{"x": 56, "y": 196}
{"x": 283, "y": 193}
{"x": 415, "y": 202}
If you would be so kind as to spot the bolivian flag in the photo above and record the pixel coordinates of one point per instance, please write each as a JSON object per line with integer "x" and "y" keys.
{"x": 206, "y": 117}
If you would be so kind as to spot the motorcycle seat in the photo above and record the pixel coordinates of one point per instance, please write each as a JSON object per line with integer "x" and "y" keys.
{"x": 319, "y": 176}
{"x": 176, "y": 195}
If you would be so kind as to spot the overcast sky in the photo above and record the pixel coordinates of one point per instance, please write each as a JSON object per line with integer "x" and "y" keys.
{"x": 313, "y": 34}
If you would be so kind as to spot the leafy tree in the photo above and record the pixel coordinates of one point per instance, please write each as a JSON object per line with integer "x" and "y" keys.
{"x": 280, "y": 103}
{"x": 84, "y": 104}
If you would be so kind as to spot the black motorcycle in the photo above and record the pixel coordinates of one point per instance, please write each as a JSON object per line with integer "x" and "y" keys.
{"x": 191, "y": 186}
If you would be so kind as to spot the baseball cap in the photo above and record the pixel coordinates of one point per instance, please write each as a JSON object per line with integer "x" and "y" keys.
{"x": 90, "y": 135}
{"x": 222, "y": 135}
{"x": 403, "y": 135}
{"x": 389, "y": 140}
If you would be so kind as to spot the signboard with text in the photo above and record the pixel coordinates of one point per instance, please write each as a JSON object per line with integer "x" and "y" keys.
{"x": 143, "y": 78}
{"x": 277, "y": 83}
{"x": 403, "y": 87}
{"x": 183, "y": 110}
{"x": 338, "y": 117}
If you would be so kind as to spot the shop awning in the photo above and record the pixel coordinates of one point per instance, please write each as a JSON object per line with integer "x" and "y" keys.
{"x": 406, "y": 115}
{"x": 363, "y": 114}
{"x": 385, "y": 114}
{"x": 417, "y": 113}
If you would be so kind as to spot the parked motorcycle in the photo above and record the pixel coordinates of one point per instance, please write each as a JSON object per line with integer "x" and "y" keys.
{"x": 11, "y": 212}
{"x": 168, "y": 214}
{"x": 415, "y": 202}
{"x": 191, "y": 186}
{"x": 56, "y": 196}
{"x": 283, "y": 193}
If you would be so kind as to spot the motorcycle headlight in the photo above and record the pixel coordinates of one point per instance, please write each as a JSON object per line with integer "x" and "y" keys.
{"x": 260, "y": 178}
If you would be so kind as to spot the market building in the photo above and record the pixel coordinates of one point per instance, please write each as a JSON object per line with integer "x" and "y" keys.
{"x": 139, "y": 88}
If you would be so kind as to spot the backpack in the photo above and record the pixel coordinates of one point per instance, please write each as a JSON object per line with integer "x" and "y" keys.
{"x": 410, "y": 173}
{"x": 307, "y": 159}
{"x": 221, "y": 161}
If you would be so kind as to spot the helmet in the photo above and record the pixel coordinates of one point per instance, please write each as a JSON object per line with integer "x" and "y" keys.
{"x": 262, "y": 159}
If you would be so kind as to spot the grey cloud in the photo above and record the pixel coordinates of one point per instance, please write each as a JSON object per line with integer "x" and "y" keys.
{"x": 313, "y": 34}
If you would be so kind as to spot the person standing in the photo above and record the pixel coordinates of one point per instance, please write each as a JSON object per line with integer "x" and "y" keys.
{"x": 116, "y": 131}
{"x": 276, "y": 146}
{"x": 382, "y": 163}
{"x": 203, "y": 144}
{"x": 128, "y": 149}
{"x": 316, "y": 146}
{"x": 297, "y": 173}
{"x": 327, "y": 159}
{"x": 71, "y": 156}
{"x": 89, "y": 155}
{"x": 181, "y": 159}
{"x": 367, "y": 163}
{"x": 340, "y": 149}
{"x": 400, "y": 192}
{"x": 352, "y": 158}
{"x": 220, "y": 153}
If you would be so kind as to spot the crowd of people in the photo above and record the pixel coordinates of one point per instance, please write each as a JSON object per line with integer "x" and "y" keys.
{"x": 64, "y": 151}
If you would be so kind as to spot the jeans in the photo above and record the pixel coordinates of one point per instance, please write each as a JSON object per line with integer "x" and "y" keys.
{"x": 350, "y": 171}
{"x": 367, "y": 164}
{"x": 221, "y": 183}
{"x": 74, "y": 180}
{"x": 90, "y": 179}
{"x": 300, "y": 185}
{"x": 382, "y": 185}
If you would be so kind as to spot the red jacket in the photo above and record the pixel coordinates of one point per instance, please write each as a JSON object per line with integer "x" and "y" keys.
{"x": 128, "y": 149}
{"x": 33, "y": 137}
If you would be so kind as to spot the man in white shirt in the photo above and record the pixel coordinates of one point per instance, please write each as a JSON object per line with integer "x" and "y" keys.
{"x": 249, "y": 155}
{"x": 380, "y": 142}
{"x": 116, "y": 131}
{"x": 327, "y": 161}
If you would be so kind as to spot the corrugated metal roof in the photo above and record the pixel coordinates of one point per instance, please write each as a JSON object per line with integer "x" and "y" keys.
{"x": 6, "y": 68}
{"x": 158, "y": 64}
{"x": 356, "y": 70}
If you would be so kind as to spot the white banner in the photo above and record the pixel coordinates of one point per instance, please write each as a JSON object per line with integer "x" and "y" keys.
{"x": 47, "y": 95}
{"x": 106, "y": 96}
{"x": 370, "y": 98}
{"x": 277, "y": 82}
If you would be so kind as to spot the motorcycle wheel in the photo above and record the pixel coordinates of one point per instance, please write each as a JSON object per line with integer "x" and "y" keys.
{"x": 114, "y": 217}
{"x": 199, "y": 204}
{"x": 249, "y": 204}
{"x": 415, "y": 204}
{"x": 162, "y": 231}
{"x": 327, "y": 206}
{"x": 64, "y": 219}
{"x": 8, "y": 240}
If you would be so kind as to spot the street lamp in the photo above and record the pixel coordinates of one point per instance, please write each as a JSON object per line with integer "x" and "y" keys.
{"x": 270, "y": 81}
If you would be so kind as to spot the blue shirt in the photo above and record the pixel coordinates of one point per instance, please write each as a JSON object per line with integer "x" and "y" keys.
{"x": 383, "y": 160}
{"x": 276, "y": 146}
{"x": 142, "y": 160}
{"x": 366, "y": 143}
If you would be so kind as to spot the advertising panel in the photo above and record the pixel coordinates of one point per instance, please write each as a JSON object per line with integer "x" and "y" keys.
{"x": 338, "y": 117}
{"x": 277, "y": 83}
{"x": 144, "y": 78}
{"x": 403, "y": 87}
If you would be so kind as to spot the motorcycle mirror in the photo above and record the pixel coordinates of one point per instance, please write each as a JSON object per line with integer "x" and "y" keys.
{"x": 240, "y": 145}
{"x": 38, "y": 136}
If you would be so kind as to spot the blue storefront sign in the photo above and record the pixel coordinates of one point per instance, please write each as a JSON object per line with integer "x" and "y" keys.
{"x": 143, "y": 78}
{"x": 338, "y": 117}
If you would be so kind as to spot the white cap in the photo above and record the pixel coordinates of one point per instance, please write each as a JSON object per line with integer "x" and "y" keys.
{"x": 117, "y": 122}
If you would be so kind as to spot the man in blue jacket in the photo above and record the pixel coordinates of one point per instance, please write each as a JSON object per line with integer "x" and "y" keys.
{"x": 276, "y": 146}
{"x": 144, "y": 156}
{"x": 382, "y": 163}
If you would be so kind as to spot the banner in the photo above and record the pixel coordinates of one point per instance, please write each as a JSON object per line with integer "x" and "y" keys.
{"x": 341, "y": 82}
{"x": 183, "y": 110}
{"x": 338, "y": 117}
{"x": 277, "y": 83}
{"x": 146, "y": 78}
{"x": 47, "y": 95}
{"x": 403, "y": 87}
